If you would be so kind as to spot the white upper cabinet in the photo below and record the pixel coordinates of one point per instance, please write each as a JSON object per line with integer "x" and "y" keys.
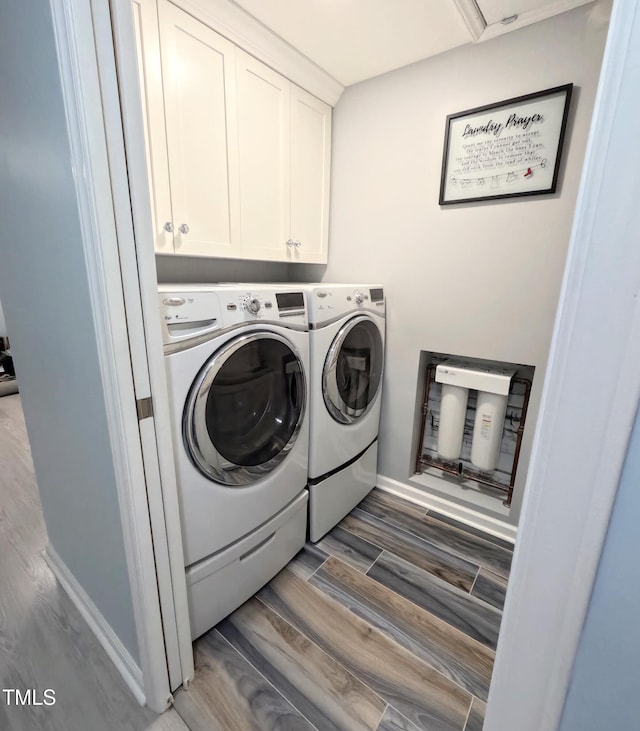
{"x": 238, "y": 155}
{"x": 263, "y": 143}
{"x": 310, "y": 156}
{"x": 145, "y": 17}
{"x": 198, "y": 70}
{"x": 284, "y": 139}
{"x": 187, "y": 77}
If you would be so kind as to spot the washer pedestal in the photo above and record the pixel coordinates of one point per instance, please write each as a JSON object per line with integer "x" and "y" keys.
{"x": 219, "y": 584}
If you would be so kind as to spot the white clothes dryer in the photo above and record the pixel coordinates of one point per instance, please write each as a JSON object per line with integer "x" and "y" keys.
{"x": 237, "y": 359}
{"x": 347, "y": 336}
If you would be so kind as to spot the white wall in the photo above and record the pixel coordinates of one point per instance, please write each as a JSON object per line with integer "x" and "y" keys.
{"x": 479, "y": 280}
{"x": 604, "y": 687}
{"x": 46, "y": 297}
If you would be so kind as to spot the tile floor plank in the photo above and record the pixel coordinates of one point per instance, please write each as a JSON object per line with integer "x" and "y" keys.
{"x": 393, "y": 720}
{"x": 507, "y": 545}
{"x": 422, "y": 694}
{"x": 463, "y": 660}
{"x": 475, "y": 722}
{"x": 168, "y": 721}
{"x": 349, "y": 547}
{"x": 229, "y": 694}
{"x": 466, "y": 545}
{"x": 308, "y": 560}
{"x": 445, "y": 536}
{"x": 323, "y": 691}
{"x": 393, "y": 505}
{"x": 491, "y": 588}
{"x": 452, "y": 569}
{"x": 458, "y": 608}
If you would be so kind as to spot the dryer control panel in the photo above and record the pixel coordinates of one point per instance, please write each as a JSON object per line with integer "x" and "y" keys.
{"x": 192, "y": 311}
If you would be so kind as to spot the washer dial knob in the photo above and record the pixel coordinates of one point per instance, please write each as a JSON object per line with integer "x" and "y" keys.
{"x": 359, "y": 298}
{"x": 252, "y": 305}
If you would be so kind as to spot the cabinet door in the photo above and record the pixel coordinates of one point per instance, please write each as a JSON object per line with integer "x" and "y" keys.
{"x": 145, "y": 19}
{"x": 198, "y": 72}
{"x": 263, "y": 142}
{"x": 310, "y": 161}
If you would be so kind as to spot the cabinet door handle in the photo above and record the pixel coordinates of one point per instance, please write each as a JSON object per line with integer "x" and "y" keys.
{"x": 297, "y": 244}
{"x": 168, "y": 227}
{"x": 290, "y": 243}
{"x": 183, "y": 228}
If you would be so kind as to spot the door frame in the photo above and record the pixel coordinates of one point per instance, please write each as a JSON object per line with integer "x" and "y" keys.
{"x": 589, "y": 403}
{"x": 123, "y": 283}
{"x": 140, "y": 283}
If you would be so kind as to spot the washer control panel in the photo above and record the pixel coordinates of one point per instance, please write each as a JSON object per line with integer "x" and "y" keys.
{"x": 196, "y": 312}
{"x": 252, "y": 305}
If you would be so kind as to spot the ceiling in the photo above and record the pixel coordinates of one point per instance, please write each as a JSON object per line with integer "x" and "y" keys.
{"x": 353, "y": 40}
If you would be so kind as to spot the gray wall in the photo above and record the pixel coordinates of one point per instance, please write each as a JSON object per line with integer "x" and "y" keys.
{"x": 479, "y": 280}
{"x": 3, "y": 325}
{"x": 46, "y": 298}
{"x": 196, "y": 269}
{"x": 604, "y": 688}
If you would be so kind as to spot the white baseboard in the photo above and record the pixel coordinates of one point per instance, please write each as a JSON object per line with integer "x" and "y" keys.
{"x": 468, "y": 516}
{"x": 117, "y": 652}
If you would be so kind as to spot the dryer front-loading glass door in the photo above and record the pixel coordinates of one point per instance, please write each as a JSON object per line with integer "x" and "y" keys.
{"x": 245, "y": 409}
{"x": 353, "y": 370}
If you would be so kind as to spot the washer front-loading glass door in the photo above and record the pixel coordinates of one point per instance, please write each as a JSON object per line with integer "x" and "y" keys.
{"x": 353, "y": 370}
{"x": 245, "y": 409}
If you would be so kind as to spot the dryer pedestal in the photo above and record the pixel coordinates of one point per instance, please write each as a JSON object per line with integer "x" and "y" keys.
{"x": 335, "y": 496}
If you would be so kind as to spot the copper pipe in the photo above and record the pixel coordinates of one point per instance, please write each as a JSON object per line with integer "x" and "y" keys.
{"x": 516, "y": 454}
{"x": 425, "y": 410}
{"x": 465, "y": 473}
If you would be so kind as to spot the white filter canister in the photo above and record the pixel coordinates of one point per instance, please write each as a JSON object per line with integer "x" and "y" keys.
{"x": 487, "y": 430}
{"x": 453, "y": 412}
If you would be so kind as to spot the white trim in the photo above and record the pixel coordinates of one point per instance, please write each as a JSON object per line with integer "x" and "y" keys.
{"x": 241, "y": 28}
{"x": 472, "y": 17}
{"x": 110, "y": 642}
{"x": 480, "y": 31}
{"x": 81, "y": 95}
{"x": 589, "y": 402}
{"x": 453, "y": 510}
{"x": 159, "y": 471}
{"x": 134, "y": 140}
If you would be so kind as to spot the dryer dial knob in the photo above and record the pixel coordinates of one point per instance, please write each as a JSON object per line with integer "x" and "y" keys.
{"x": 252, "y": 305}
{"x": 359, "y": 298}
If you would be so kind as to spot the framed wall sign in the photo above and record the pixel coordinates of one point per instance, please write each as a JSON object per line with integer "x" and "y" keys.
{"x": 505, "y": 150}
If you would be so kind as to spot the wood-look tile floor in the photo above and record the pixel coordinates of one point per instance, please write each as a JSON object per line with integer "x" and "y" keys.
{"x": 44, "y": 642}
{"x": 389, "y": 623}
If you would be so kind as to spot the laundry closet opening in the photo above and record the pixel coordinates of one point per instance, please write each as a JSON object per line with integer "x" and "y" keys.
{"x": 471, "y": 421}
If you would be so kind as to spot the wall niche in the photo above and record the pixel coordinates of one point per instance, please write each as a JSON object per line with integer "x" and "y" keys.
{"x": 450, "y": 422}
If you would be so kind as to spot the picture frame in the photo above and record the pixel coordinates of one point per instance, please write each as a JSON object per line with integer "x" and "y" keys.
{"x": 508, "y": 149}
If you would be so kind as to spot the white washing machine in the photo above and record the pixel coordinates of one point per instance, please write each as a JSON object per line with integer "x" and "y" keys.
{"x": 347, "y": 336}
{"x": 237, "y": 359}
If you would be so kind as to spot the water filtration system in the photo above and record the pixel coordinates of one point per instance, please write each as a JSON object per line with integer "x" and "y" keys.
{"x": 472, "y": 421}
{"x": 491, "y": 405}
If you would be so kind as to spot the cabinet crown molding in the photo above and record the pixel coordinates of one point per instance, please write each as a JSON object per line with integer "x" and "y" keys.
{"x": 251, "y": 35}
